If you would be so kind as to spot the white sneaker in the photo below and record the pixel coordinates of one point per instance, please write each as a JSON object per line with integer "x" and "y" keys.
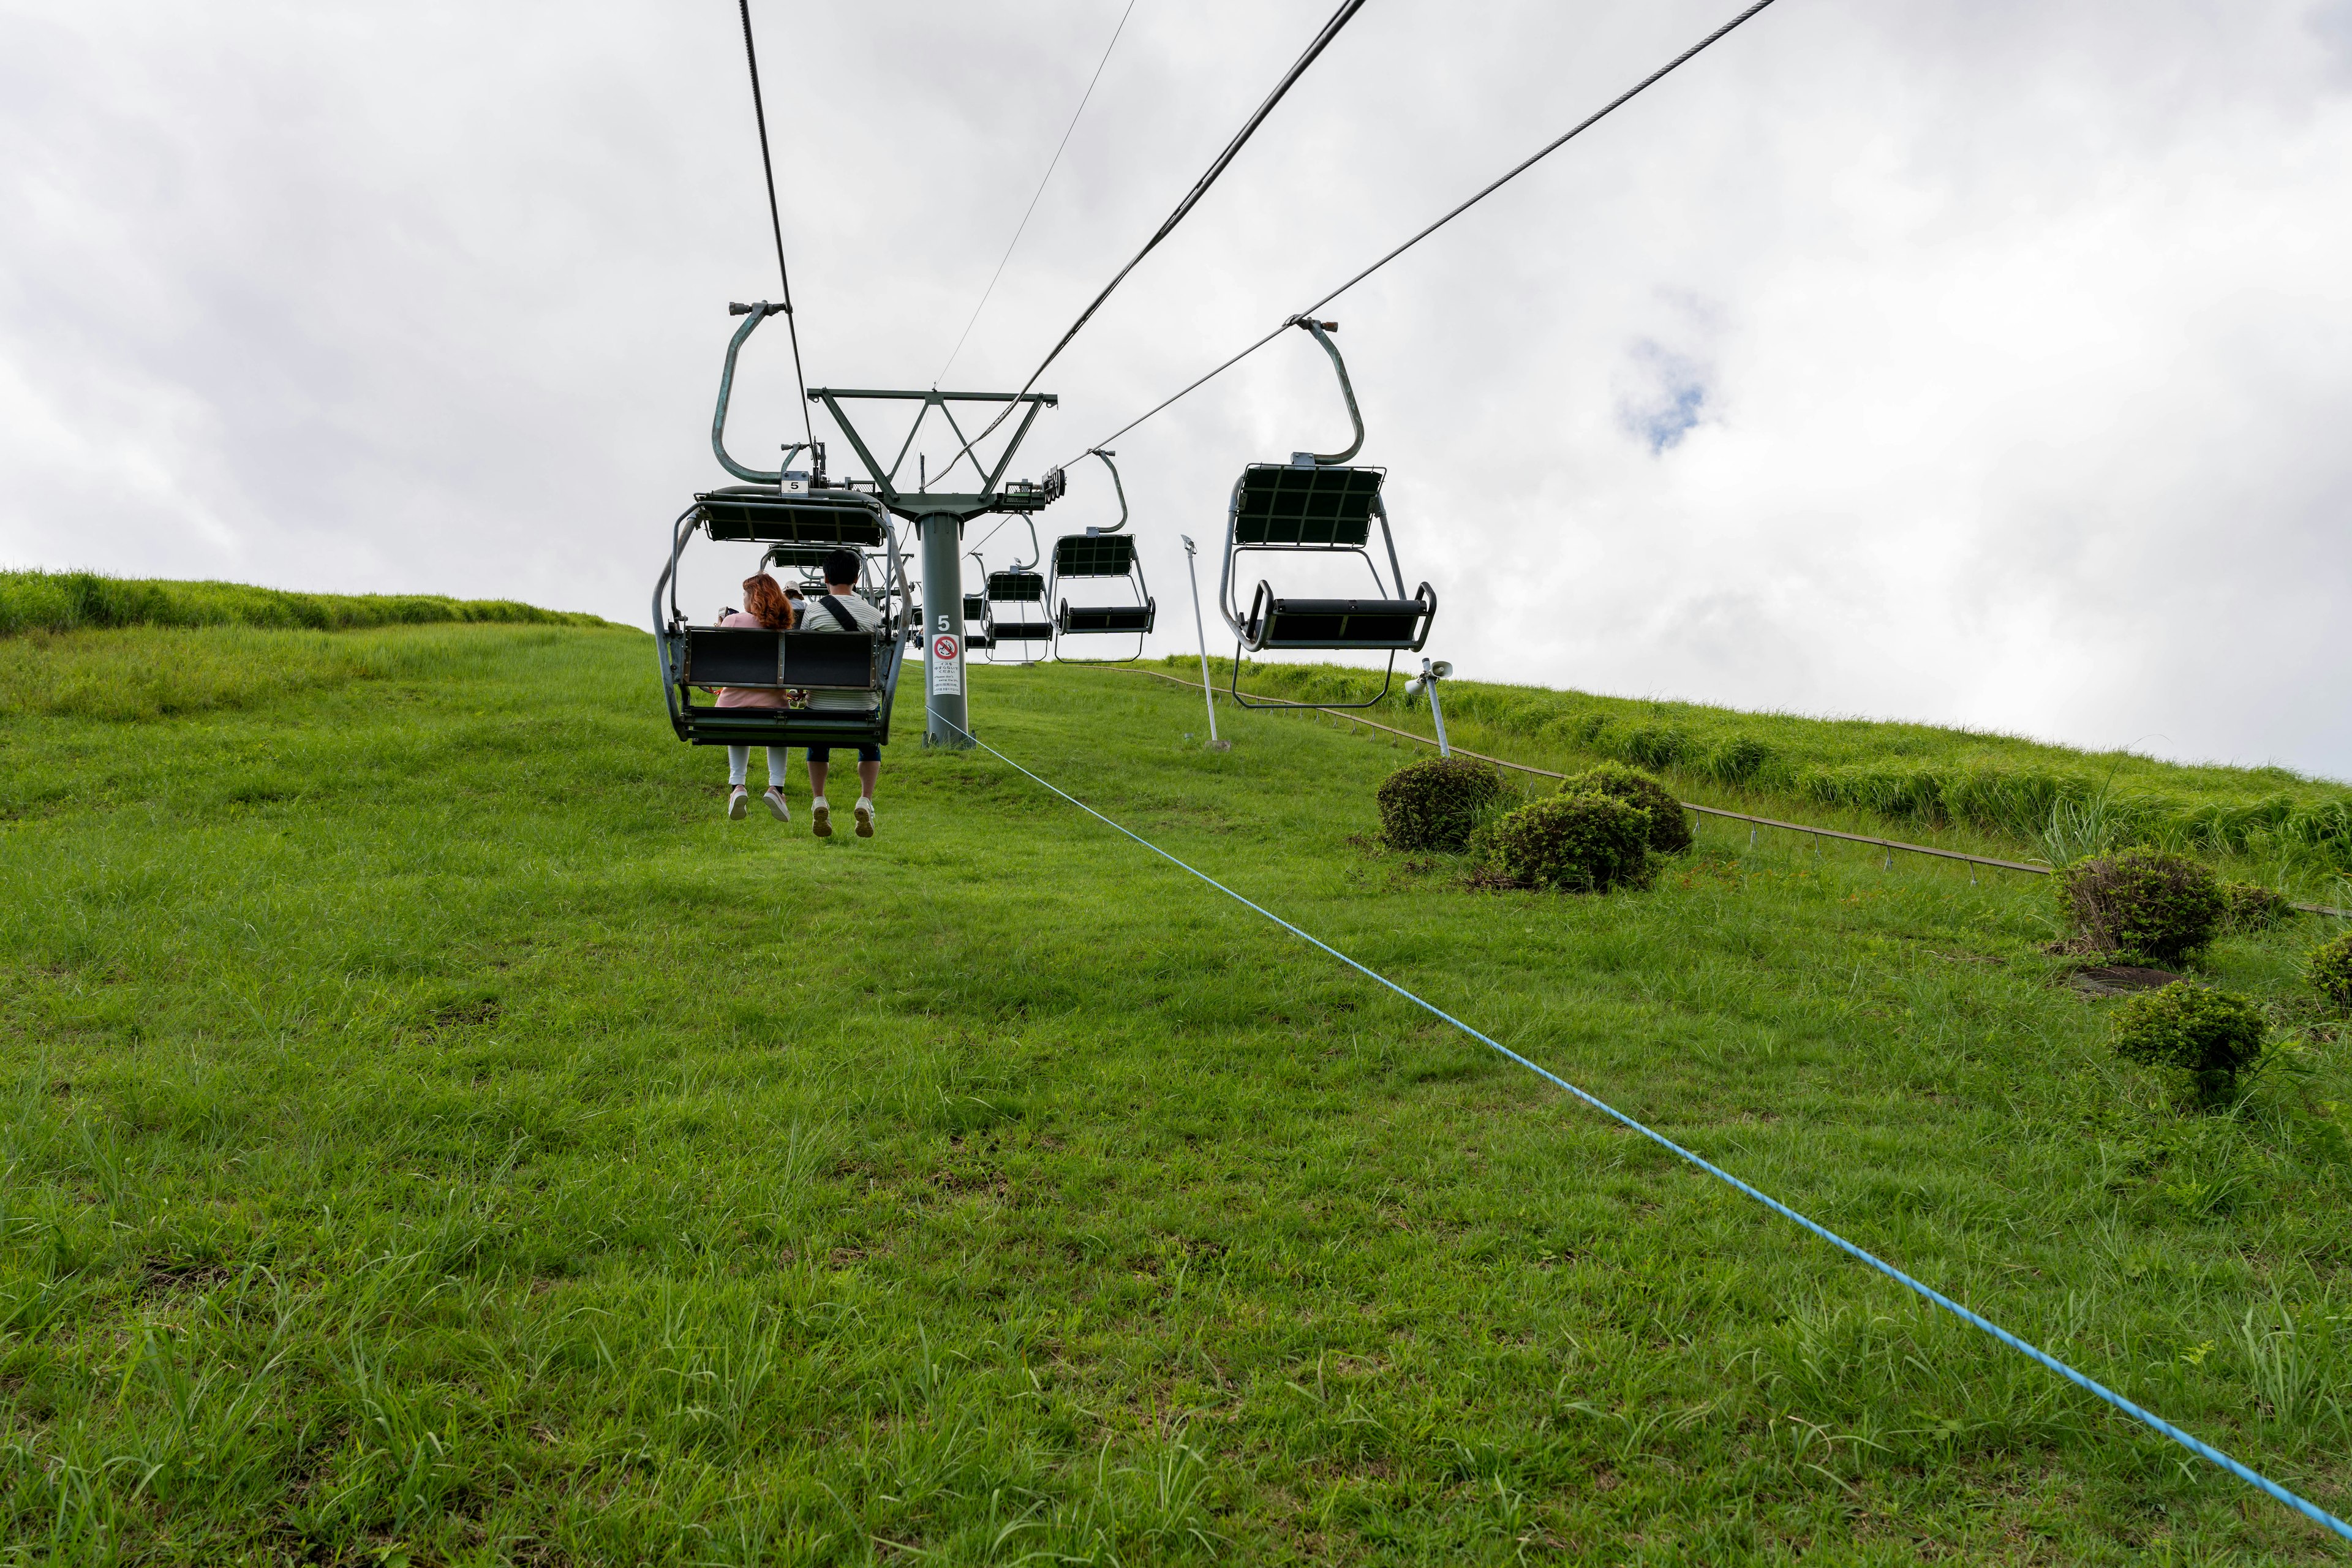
{"x": 820, "y": 818}
{"x": 739, "y": 803}
{"x": 776, "y": 806}
{"x": 864, "y": 812}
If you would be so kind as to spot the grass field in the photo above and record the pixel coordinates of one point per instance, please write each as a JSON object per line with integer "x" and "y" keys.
{"x": 431, "y": 1133}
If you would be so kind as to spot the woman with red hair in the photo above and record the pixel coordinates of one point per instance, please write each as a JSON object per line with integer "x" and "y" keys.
{"x": 765, "y": 605}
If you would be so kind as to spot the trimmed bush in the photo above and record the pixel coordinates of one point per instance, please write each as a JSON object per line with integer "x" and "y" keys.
{"x": 2254, "y": 907}
{"x": 2199, "y": 1038}
{"x": 1576, "y": 843}
{"x": 1434, "y": 804}
{"x": 2331, "y": 970}
{"x": 2150, "y": 906}
{"x": 1670, "y": 828}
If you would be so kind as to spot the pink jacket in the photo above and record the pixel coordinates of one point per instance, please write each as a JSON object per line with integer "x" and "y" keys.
{"x": 748, "y": 696}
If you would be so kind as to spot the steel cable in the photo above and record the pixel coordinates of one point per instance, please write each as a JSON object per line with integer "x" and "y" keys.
{"x": 2202, "y": 1449}
{"x": 776, "y": 224}
{"x": 1051, "y": 164}
{"x": 1517, "y": 169}
{"x": 1339, "y": 18}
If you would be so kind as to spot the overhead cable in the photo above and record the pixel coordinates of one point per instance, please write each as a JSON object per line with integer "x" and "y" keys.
{"x": 1546, "y": 150}
{"x": 1051, "y": 164}
{"x": 2203, "y": 1450}
{"x": 1339, "y": 18}
{"x": 776, "y": 221}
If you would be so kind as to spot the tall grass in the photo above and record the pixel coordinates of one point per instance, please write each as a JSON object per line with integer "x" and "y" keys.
{"x": 78, "y": 601}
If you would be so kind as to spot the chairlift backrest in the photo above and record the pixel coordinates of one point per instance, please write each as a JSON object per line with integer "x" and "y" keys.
{"x": 1016, "y": 587}
{"x": 769, "y": 660}
{"x": 1286, "y": 504}
{"x": 1095, "y": 556}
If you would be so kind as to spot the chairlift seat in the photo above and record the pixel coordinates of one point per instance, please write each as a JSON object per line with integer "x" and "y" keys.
{"x": 1288, "y": 505}
{"x": 1392, "y": 624}
{"x": 1003, "y": 632}
{"x": 1080, "y": 619}
{"x": 764, "y": 660}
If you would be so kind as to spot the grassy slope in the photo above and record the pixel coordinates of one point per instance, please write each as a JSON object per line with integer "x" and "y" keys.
{"x": 2279, "y": 826}
{"x": 427, "y": 1124}
{"x": 79, "y": 601}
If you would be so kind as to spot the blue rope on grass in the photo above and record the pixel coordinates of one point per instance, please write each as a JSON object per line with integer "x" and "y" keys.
{"x": 2202, "y": 1449}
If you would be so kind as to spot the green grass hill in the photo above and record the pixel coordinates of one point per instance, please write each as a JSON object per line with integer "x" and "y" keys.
{"x": 430, "y": 1132}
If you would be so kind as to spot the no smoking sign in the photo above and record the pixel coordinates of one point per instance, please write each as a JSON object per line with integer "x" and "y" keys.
{"x": 947, "y": 666}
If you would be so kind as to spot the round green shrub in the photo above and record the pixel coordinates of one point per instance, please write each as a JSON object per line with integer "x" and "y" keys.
{"x": 1670, "y": 828}
{"x": 2331, "y": 970}
{"x": 2254, "y": 907}
{"x": 1577, "y": 843}
{"x": 2150, "y": 906}
{"x": 1434, "y": 804}
{"x": 2200, "y": 1038}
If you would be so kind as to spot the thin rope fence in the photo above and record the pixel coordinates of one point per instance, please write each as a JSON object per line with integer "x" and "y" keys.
{"x": 2202, "y": 1449}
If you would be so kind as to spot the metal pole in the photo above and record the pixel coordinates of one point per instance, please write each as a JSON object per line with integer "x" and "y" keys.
{"x": 1208, "y": 691}
{"x": 1429, "y": 681}
{"x": 944, "y": 711}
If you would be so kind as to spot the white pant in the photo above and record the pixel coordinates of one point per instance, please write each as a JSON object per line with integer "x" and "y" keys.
{"x": 739, "y": 763}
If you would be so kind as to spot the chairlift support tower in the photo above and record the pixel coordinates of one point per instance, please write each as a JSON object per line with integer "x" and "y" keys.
{"x": 939, "y": 517}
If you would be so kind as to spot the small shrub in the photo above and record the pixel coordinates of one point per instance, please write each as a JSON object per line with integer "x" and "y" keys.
{"x": 2254, "y": 907}
{"x": 2331, "y": 970}
{"x": 2200, "y": 1038}
{"x": 2150, "y": 906}
{"x": 1670, "y": 828}
{"x": 1434, "y": 804}
{"x": 1577, "y": 843}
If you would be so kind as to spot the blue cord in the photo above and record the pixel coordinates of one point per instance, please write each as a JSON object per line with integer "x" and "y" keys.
{"x": 2203, "y": 1450}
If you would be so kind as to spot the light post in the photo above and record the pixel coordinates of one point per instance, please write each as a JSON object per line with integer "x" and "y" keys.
{"x": 1430, "y": 674}
{"x": 1208, "y": 691}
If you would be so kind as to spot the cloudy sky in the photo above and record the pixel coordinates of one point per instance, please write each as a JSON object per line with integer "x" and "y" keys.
{"x": 1963, "y": 360}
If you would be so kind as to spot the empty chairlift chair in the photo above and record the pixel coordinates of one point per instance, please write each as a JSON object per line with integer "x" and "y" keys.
{"x": 849, "y": 680}
{"x": 1316, "y": 502}
{"x": 1014, "y": 614}
{"x": 1100, "y": 555}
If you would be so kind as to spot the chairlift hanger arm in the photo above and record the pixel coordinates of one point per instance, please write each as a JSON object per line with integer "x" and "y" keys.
{"x": 1322, "y": 331}
{"x": 752, "y": 314}
{"x": 1115, "y": 484}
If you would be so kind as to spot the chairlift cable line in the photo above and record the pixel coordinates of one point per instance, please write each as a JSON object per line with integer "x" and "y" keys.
{"x": 1051, "y": 164}
{"x": 1339, "y": 18}
{"x": 776, "y": 224}
{"x": 2089, "y": 1385}
{"x": 1537, "y": 156}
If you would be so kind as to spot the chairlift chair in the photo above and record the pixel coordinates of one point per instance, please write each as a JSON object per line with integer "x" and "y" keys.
{"x": 1317, "y": 503}
{"x": 1012, "y": 614}
{"x": 1103, "y": 554}
{"x": 802, "y": 519}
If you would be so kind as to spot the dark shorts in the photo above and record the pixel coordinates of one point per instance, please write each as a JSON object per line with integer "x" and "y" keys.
{"x": 867, "y": 751}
